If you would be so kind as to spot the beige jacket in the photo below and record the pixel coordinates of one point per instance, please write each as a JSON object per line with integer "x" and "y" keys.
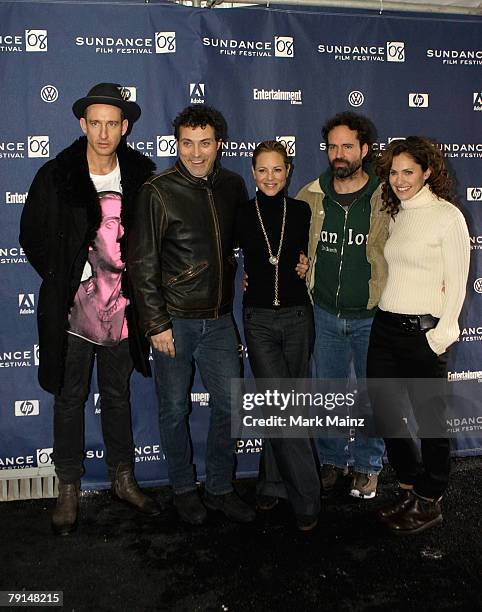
{"x": 377, "y": 236}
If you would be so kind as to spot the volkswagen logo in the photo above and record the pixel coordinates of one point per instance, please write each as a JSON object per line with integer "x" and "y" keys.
{"x": 356, "y": 98}
{"x": 49, "y": 93}
{"x": 478, "y": 285}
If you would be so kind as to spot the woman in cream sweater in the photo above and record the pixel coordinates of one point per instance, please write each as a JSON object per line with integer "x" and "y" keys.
{"x": 428, "y": 259}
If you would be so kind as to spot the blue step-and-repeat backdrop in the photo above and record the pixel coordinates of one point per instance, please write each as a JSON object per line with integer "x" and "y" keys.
{"x": 275, "y": 73}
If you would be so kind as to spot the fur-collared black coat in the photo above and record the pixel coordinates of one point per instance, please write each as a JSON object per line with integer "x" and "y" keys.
{"x": 60, "y": 219}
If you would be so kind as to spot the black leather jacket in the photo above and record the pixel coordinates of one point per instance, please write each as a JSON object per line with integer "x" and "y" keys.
{"x": 180, "y": 259}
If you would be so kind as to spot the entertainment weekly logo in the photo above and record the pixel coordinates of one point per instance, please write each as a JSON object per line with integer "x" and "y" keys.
{"x": 31, "y": 41}
{"x": 455, "y": 57}
{"x": 391, "y": 51}
{"x": 279, "y": 46}
{"x": 35, "y": 146}
{"x": 278, "y": 95}
{"x": 162, "y": 42}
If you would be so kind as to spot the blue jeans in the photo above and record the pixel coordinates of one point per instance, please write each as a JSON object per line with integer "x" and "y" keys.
{"x": 339, "y": 345}
{"x": 213, "y": 345}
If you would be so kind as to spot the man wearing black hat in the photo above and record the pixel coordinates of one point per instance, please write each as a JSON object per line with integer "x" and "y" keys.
{"x": 72, "y": 230}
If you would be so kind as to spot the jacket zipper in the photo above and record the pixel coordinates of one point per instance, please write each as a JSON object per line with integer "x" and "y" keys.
{"x": 216, "y": 227}
{"x": 189, "y": 273}
{"x": 342, "y": 252}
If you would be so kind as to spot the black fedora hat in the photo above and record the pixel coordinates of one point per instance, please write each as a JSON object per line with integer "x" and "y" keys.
{"x": 109, "y": 93}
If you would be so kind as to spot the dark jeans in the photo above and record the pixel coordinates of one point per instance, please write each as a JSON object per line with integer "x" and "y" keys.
{"x": 279, "y": 344}
{"x": 114, "y": 367}
{"x": 393, "y": 354}
{"x": 213, "y": 345}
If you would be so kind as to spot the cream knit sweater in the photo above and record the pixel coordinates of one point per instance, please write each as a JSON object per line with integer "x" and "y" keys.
{"x": 428, "y": 252}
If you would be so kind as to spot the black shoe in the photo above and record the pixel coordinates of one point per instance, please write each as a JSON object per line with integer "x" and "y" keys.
{"x": 231, "y": 505}
{"x": 125, "y": 487}
{"x": 306, "y": 522}
{"x": 266, "y": 502}
{"x": 420, "y": 514}
{"x": 404, "y": 497}
{"x": 190, "y": 507}
{"x": 64, "y": 517}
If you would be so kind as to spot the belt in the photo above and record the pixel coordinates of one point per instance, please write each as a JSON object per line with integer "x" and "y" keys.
{"x": 411, "y": 322}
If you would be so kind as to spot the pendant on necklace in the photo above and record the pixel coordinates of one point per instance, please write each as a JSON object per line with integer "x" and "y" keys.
{"x": 273, "y": 260}
{"x": 276, "y": 303}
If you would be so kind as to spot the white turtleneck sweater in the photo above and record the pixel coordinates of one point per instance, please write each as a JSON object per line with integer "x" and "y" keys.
{"x": 428, "y": 252}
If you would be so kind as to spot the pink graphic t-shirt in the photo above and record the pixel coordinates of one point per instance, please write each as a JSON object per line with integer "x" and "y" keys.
{"x": 98, "y": 313}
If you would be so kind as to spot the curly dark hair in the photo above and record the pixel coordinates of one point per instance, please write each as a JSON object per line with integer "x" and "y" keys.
{"x": 201, "y": 115}
{"x": 271, "y": 146}
{"x": 365, "y": 129}
{"x": 426, "y": 154}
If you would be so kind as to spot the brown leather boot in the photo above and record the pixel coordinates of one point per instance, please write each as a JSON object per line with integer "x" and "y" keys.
{"x": 420, "y": 514}
{"x": 404, "y": 497}
{"x": 125, "y": 487}
{"x": 64, "y": 517}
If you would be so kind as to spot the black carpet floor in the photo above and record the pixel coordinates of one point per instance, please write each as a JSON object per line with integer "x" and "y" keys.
{"x": 119, "y": 560}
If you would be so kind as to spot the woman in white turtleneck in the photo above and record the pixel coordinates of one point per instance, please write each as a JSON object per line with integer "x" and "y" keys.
{"x": 427, "y": 253}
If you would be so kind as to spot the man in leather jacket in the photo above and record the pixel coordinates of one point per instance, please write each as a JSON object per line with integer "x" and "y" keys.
{"x": 72, "y": 226}
{"x": 182, "y": 268}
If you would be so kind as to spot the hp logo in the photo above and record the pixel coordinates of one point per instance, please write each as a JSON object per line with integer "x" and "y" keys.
{"x": 474, "y": 194}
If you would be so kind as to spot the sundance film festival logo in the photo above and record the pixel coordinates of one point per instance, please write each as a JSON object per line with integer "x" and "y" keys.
{"x": 474, "y": 194}
{"x": 27, "y": 408}
{"x": 280, "y": 46}
{"x": 12, "y": 255}
{"x": 33, "y": 41}
{"x": 456, "y": 57}
{"x": 356, "y": 98}
{"x": 391, "y": 52}
{"x": 284, "y": 46}
{"x": 395, "y": 51}
{"x": 44, "y": 457}
{"x": 418, "y": 100}
{"x": 478, "y": 101}
{"x": 196, "y": 93}
{"x": 26, "y": 303}
{"x": 165, "y": 42}
{"x": 49, "y": 93}
{"x": 166, "y": 146}
{"x": 289, "y": 143}
{"x": 36, "y": 40}
{"x": 38, "y": 146}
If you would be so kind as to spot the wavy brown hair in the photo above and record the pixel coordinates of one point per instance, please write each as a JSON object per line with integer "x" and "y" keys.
{"x": 271, "y": 146}
{"x": 426, "y": 154}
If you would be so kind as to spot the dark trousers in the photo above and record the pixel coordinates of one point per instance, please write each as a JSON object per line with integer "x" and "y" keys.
{"x": 114, "y": 367}
{"x": 279, "y": 344}
{"x": 395, "y": 353}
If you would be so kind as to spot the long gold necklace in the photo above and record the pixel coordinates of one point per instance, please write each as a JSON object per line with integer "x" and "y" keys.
{"x": 273, "y": 259}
